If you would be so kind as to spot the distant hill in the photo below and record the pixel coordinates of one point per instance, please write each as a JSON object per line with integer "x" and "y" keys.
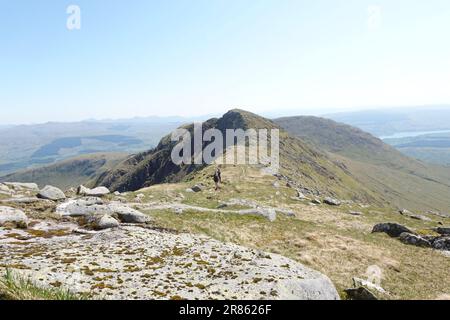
{"x": 431, "y": 148}
{"x": 68, "y": 173}
{"x": 402, "y": 181}
{"x": 383, "y": 122}
{"x": 28, "y": 146}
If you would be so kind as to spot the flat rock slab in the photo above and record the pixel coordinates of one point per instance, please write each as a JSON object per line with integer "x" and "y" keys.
{"x": 139, "y": 263}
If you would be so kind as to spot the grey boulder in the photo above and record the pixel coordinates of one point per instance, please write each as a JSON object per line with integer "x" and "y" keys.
{"x": 332, "y": 201}
{"x": 127, "y": 214}
{"x": 106, "y": 222}
{"x": 12, "y": 216}
{"x": 392, "y": 229}
{"x": 96, "y": 192}
{"x": 51, "y": 193}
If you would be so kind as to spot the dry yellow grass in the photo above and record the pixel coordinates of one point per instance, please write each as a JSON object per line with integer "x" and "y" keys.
{"x": 327, "y": 239}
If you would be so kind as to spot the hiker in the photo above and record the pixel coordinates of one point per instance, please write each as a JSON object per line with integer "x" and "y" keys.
{"x": 217, "y": 178}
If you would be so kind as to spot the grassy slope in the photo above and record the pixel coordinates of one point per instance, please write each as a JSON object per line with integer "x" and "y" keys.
{"x": 325, "y": 238}
{"x": 68, "y": 173}
{"x": 402, "y": 181}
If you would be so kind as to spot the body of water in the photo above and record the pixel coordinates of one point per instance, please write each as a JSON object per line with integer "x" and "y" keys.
{"x": 412, "y": 134}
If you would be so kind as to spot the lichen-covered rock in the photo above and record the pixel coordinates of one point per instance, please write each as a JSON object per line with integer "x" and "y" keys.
{"x": 12, "y": 217}
{"x": 51, "y": 193}
{"x": 133, "y": 262}
{"x": 392, "y": 229}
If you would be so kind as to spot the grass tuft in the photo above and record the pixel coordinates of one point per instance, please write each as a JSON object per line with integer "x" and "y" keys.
{"x": 16, "y": 287}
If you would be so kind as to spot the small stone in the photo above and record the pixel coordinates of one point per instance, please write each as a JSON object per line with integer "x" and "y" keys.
{"x": 197, "y": 188}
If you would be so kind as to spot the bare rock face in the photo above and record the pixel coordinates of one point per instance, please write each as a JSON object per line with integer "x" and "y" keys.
{"x": 96, "y": 192}
{"x": 12, "y": 217}
{"x": 51, "y": 193}
{"x": 133, "y": 262}
{"x": 392, "y": 229}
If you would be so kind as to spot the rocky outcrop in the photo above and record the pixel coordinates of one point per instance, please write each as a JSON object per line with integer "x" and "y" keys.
{"x": 415, "y": 240}
{"x": 21, "y": 186}
{"x": 441, "y": 243}
{"x": 12, "y": 217}
{"x": 93, "y": 206}
{"x": 443, "y": 231}
{"x": 392, "y": 229}
{"x": 51, "y": 193}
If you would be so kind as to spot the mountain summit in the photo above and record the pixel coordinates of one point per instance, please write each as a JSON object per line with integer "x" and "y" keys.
{"x": 301, "y": 163}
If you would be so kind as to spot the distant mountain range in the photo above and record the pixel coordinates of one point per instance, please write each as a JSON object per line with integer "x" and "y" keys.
{"x": 30, "y": 146}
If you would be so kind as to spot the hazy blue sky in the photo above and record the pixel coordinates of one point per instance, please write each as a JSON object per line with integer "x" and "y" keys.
{"x": 167, "y": 57}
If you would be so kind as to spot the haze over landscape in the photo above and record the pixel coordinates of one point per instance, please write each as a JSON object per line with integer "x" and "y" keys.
{"x": 351, "y": 95}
